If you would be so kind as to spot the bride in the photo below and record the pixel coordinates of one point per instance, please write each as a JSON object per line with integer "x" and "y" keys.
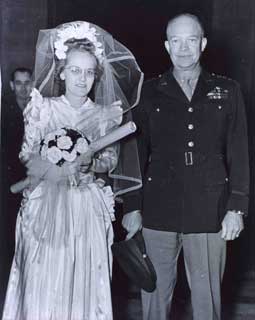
{"x": 62, "y": 263}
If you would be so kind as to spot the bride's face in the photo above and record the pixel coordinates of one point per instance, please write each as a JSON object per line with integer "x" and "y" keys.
{"x": 79, "y": 73}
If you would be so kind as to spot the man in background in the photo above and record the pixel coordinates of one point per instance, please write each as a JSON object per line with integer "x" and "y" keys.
{"x": 21, "y": 85}
{"x": 12, "y": 131}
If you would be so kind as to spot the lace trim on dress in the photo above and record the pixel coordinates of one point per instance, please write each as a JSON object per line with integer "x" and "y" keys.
{"x": 36, "y": 116}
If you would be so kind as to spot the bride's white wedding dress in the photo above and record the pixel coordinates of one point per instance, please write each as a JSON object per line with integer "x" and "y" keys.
{"x": 62, "y": 264}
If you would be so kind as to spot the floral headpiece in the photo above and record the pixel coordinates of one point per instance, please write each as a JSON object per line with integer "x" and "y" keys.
{"x": 77, "y": 30}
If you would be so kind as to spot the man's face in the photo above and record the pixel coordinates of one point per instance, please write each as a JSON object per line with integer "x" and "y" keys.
{"x": 185, "y": 42}
{"x": 21, "y": 85}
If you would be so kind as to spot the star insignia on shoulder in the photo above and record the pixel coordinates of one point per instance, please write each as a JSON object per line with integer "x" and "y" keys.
{"x": 219, "y": 76}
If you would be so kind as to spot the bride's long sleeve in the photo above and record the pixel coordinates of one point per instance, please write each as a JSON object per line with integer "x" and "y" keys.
{"x": 106, "y": 160}
{"x": 36, "y": 117}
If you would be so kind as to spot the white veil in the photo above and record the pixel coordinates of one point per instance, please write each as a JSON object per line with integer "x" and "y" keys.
{"x": 121, "y": 79}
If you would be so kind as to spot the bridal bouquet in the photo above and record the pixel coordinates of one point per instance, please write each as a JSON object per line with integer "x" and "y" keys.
{"x": 63, "y": 145}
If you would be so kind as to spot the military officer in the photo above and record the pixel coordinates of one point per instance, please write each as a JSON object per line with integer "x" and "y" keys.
{"x": 192, "y": 140}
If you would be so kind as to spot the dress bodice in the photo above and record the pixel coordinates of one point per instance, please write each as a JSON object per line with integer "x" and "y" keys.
{"x": 44, "y": 115}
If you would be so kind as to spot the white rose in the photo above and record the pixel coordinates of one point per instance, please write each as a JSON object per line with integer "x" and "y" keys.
{"x": 58, "y": 44}
{"x": 82, "y": 145}
{"x": 69, "y": 156}
{"x": 60, "y": 132}
{"x": 64, "y": 142}
{"x": 61, "y": 54}
{"x": 54, "y": 155}
{"x": 60, "y": 50}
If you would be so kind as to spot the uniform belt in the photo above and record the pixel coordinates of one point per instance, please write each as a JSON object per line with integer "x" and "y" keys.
{"x": 191, "y": 158}
{"x": 188, "y": 158}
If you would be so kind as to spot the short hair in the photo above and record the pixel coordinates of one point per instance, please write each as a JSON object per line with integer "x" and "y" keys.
{"x": 190, "y": 15}
{"x": 82, "y": 45}
{"x": 22, "y": 70}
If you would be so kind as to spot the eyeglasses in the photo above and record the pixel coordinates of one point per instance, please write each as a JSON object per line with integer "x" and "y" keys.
{"x": 77, "y": 71}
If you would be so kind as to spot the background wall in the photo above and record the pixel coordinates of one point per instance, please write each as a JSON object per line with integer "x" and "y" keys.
{"x": 20, "y": 22}
{"x": 233, "y": 53}
{"x": 140, "y": 24}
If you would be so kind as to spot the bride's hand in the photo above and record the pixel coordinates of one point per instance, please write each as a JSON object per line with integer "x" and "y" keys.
{"x": 36, "y": 167}
{"x": 68, "y": 170}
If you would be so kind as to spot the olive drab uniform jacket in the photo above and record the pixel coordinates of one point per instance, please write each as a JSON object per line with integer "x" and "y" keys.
{"x": 193, "y": 154}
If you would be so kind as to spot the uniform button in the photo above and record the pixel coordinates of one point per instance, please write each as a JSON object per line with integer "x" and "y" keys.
{"x": 219, "y": 107}
{"x": 190, "y": 109}
{"x": 191, "y": 144}
{"x": 190, "y": 126}
{"x": 149, "y": 179}
{"x": 157, "y": 109}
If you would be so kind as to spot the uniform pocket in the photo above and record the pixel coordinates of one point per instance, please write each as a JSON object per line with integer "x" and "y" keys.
{"x": 216, "y": 174}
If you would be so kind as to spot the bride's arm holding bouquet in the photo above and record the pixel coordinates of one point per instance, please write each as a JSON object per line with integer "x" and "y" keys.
{"x": 36, "y": 158}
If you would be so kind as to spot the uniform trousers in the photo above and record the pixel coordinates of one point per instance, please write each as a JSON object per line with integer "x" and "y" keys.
{"x": 204, "y": 256}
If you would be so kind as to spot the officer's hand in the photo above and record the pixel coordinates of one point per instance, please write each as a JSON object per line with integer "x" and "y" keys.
{"x": 132, "y": 222}
{"x": 117, "y": 103}
{"x": 232, "y": 225}
{"x": 85, "y": 160}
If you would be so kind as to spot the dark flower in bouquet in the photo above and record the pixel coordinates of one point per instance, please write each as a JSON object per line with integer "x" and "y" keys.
{"x": 63, "y": 145}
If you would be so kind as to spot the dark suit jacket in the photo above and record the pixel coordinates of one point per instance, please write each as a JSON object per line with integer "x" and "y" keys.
{"x": 193, "y": 155}
{"x": 12, "y": 131}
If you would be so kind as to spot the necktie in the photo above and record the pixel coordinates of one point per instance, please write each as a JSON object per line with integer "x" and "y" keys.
{"x": 187, "y": 88}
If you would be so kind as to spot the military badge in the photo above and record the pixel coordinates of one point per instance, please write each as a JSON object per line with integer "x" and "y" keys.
{"x": 218, "y": 93}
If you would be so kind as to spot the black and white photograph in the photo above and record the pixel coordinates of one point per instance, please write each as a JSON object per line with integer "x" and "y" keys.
{"x": 127, "y": 181}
